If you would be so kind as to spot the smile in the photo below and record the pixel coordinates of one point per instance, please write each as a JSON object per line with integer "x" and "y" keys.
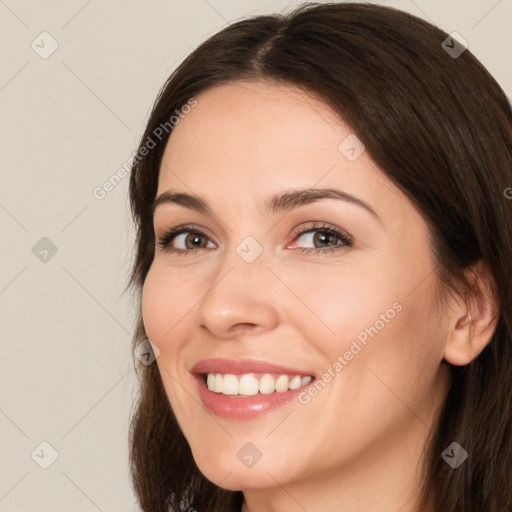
{"x": 242, "y": 389}
{"x": 250, "y": 384}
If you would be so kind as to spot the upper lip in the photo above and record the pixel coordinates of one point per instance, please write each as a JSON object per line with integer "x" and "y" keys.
{"x": 241, "y": 366}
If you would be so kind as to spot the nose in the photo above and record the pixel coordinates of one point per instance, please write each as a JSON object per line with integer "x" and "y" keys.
{"x": 238, "y": 300}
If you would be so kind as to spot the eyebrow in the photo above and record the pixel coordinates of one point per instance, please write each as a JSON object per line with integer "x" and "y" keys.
{"x": 277, "y": 203}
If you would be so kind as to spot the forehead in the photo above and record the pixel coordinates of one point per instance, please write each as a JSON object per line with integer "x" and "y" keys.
{"x": 254, "y": 113}
{"x": 249, "y": 138}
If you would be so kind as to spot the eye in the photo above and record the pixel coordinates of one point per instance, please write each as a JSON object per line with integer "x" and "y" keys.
{"x": 184, "y": 239}
{"x": 325, "y": 237}
{"x": 190, "y": 239}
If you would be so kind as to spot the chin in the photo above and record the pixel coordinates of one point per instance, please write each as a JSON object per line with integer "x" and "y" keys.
{"x": 231, "y": 474}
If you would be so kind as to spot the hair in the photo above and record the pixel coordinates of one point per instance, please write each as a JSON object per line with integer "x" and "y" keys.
{"x": 440, "y": 128}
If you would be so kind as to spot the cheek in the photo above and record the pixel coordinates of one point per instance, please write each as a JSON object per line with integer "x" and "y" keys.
{"x": 164, "y": 303}
{"x": 336, "y": 305}
{"x": 152, "y": 307}
{"x": 377, "y": 317}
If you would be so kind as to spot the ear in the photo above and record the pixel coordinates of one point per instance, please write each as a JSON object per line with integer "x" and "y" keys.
{"x": 474, "y": 319}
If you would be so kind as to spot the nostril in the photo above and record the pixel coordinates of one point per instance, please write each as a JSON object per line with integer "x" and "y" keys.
{"x": 242, "y": 327}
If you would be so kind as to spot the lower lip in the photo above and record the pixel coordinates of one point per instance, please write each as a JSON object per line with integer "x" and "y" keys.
{"x": 243, "y": 407}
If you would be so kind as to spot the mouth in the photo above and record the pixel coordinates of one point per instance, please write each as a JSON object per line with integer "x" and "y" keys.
{"x": 243, "y": 389}
{"x": 250, "y": 384}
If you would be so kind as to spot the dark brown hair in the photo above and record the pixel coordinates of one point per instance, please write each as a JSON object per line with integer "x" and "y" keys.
{"x": 441, "y": 129}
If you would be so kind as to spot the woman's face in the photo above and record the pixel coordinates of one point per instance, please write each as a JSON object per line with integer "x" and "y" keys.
{"x": 337, "y": 287}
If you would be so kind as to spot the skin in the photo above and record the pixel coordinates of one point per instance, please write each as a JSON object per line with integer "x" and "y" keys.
{"x": 356, "y": 446}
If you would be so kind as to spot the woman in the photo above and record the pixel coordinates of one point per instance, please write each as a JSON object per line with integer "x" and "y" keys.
{"x": 323, "y": 266}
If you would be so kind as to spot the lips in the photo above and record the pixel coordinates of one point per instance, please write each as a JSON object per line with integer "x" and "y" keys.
{"x": 240, "y": 407}
{"x": 241, "y": 366}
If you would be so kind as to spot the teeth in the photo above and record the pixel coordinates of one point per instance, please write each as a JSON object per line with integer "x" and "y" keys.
{"x": 282, "y": 383}
{"x": 267, "y": 384}
{"x": 248, "y": 384}
{"x": 296, "y": 382}
{"x": 305, "y": 380}
{"x": 230, "y": 385}
{"x": 218, "y": 383}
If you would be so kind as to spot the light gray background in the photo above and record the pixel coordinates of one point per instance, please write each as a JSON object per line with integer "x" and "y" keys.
{"x": 67, "y": 124}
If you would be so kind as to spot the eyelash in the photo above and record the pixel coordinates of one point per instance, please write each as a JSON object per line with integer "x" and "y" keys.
{"x": 343, "y": 236}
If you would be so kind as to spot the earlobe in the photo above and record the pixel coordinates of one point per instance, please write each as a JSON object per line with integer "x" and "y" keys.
{"x": 474, "y": 321}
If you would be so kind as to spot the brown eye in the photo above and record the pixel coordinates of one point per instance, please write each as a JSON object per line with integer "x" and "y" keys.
{"x": 324, "y": 238}
{"x": 193, "y": 240}
{"x": 183, "y": 240}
